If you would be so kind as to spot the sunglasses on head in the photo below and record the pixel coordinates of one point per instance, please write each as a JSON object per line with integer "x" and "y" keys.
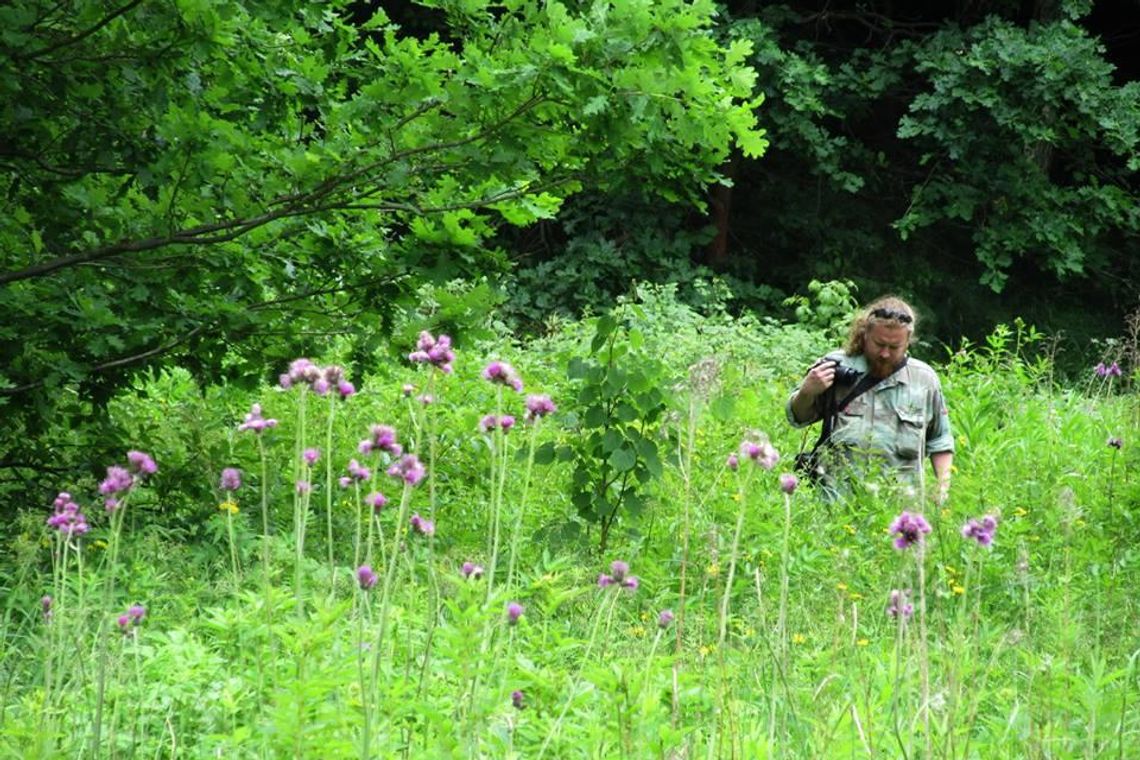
{"x": 901, "y": 316}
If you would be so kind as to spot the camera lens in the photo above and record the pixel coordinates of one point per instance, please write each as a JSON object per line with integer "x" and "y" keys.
{"x": 846, "y": 375}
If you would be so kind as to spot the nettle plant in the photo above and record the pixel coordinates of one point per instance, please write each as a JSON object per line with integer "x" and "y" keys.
{"x": 614, "y": 450}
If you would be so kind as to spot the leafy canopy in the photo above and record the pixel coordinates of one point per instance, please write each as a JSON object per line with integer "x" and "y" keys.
{"x": 223, "y": 184}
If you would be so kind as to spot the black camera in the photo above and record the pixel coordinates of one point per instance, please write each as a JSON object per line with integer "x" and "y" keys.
{"x": 846, "y": 375}
{"x": 843, "y": 375}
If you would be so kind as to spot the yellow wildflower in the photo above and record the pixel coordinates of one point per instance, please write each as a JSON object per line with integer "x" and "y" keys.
{"x": 862, "y": 642}
{"x": 854, "y": 596}
{"x": 841, "y": 586}
{"x": 644, "y": 616}
{"x": 958, "y": 589}
{"x": 798, "y": 638}
{"x": 736, "y": 497}
{"x": 1020, "y": 512}
{"x": 951, "y": 569}
{"x": 705, "y": 650}
{"x": 713, "y": 569}
{"x": 98, "y": 544}
{"x": 637, "y": 631}
{"x": 229, "y": 506}
{"x": 849, "y": 528}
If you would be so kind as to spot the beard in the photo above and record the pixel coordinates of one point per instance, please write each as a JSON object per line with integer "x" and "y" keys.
{"x": 881, "y": 368}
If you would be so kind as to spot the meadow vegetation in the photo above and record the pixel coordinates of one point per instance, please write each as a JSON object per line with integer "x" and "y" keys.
{"x": 540, "y": 550}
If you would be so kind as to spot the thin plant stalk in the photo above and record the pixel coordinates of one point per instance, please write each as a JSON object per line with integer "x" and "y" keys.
{"x": 389, "y": 577}
{"x": 101, "y": 630}
{"x": 517, "y": 528}
{"x": 329, "y": 492}
{"x": 233, "y": 549}
{"x": 555, "y": 730}
{"x": 301, "y": 498}
{"x": 498, "y": 476}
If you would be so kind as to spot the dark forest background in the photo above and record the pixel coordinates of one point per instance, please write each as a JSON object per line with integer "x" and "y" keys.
{"x": 949, "y": 151}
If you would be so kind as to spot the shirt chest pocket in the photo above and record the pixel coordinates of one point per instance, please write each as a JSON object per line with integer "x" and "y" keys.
{"x": 910, "y": 433}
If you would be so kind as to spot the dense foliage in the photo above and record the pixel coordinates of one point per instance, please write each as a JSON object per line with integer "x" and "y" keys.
{"x": 981, "y": 158}
{"x": 732, "y": 614}
{"x": 221, "y": 184}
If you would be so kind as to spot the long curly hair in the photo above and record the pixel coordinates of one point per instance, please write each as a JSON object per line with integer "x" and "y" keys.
{"x": 887, "y": 310}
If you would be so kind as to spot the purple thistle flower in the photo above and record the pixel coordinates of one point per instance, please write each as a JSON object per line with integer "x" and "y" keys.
{"x": 538, "y": 407}
{"x": 788, "y": 483}
{"x": 45, "y": 605}
{"x": 471, "y": 570}
{"x": 333, "y": 374}
{"x": 434, "y": 351}
{"x": 136, "y": 613}
{"x": 255, "y": 422}
{"x": 304, "y": 486}
{"x": 1113, "y": 370}
{"x": 110, "y": 504}
{"x": 897, "y": 603}
{"x": 376, "y": 500}
{"x": 141, "y": 463}
{"x": 384, "y": 438}
{"x": 320, "y": 386}
{"x": 408, "y": 390}
{"x": 124, "y": 622}
{"x": 67, "y": 518}
{"x": 231, "y": 479}
{"x": 619, "y": 570}
{"x": 503, "y": 374}
{"x": 426, "y": 399}
{"x": 605, "y": 580}
{"x": 517, "y": 699}
{"x": 490, "y": 422}
{"x": 408, "y": 469}
{"x": 422, "y": 525}
{"x": 310, "y": 456}
{"x": 1115, "y": 443}
{"x": 733, "y": 462}
{"x": 630, "y": 583}
{"x": 665, "y": 619}
{"x": 514, "y": 612}
{"x": 366, "y": 577}
{"x": 357, "y": 472}
{"x": 345, "y": 389}
{"x": 302, "y": 371}
{"x": 1101, "y": 370}
{"x": 344, "y": 481}
{"x": 763, "y": 454}
{"x": 117, "y": 481}
{"x": 910, "y": 529}
{"x": 981, "y": 531}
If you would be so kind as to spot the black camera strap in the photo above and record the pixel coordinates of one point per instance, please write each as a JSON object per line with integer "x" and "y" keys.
{"x": 832, "y": 409}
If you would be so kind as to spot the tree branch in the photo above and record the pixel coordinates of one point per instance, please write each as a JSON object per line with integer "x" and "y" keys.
{"x": 297, "y": 204}
{"x": 67, "y": 42}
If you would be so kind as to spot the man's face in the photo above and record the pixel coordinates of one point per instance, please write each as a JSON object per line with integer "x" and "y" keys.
{"x": 884, "y": 347}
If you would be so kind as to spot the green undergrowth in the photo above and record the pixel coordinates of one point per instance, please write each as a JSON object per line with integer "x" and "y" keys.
{"x": 758, "y": 625}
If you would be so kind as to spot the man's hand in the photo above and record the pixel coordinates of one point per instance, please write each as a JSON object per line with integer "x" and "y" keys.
{"x": 819, "y": 378}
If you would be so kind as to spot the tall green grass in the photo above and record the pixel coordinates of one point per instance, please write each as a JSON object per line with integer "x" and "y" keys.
{"x": 778, "y": 644}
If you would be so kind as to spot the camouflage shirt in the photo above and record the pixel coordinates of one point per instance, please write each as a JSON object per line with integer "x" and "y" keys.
{"x": 902, "y": 417}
